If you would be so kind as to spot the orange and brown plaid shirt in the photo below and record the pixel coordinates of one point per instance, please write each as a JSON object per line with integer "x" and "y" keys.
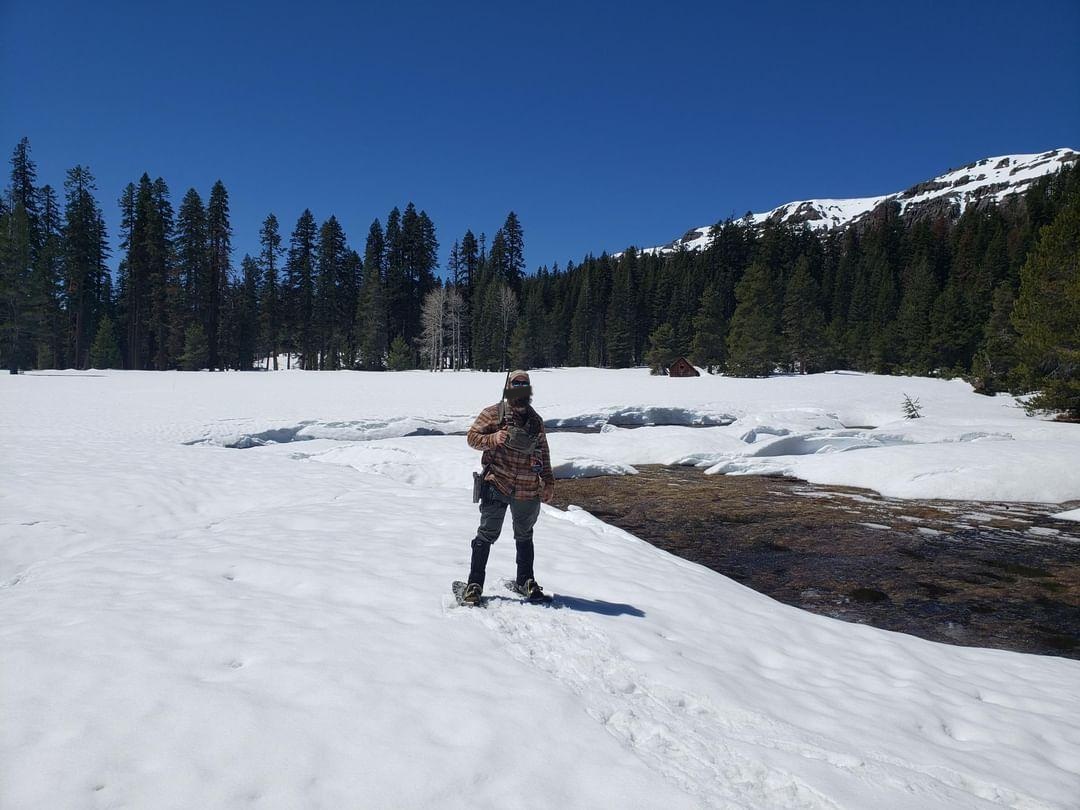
{"x": 511, "y": 471}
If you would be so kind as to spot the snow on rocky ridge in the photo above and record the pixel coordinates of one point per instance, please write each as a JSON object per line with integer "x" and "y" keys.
{"x": 990, "y": 179}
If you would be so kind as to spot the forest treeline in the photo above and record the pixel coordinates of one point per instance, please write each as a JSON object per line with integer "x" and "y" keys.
{"x": 993, "y": 295}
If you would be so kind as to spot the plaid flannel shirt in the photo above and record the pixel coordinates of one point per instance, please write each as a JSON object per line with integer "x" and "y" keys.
{"x": 512, "y": 472}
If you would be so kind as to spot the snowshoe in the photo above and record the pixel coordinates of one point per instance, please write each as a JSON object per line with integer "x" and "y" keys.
{"x": 468, "y": 594}
{"x": 530, "y": 591}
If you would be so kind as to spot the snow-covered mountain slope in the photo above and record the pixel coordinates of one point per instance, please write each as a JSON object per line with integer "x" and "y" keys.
{"x": 986, "y": 180}
{"x": 186, "y": 625}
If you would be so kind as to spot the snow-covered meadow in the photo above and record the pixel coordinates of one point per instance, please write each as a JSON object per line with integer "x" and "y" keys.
{"x": 188, "y": 624}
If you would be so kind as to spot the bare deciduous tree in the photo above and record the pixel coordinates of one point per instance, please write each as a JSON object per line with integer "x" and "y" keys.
{"x": 433, "y": 322}
{"x": 508, "y": 306}
{"x": 455, "y": 321}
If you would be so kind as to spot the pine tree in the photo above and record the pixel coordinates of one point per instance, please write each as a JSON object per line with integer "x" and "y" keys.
{"x": 663, "y": 349}
{"x": 165, "y": 294}
{"x": 911, "y": 407}
{"x": 24, "y": 192}
{"x": 105, "y": 351}
{"x": 371, "y": 305}
{"x": 21, "y": 245}
{"x": 527, "y": 346}
{"x": 470, "y": 263}
{"x": 802, "y": 319}
{"x": 859, "y": 324}
{"x": 247, "y": 313}
{"x": 620, "y": 314}
{"x": 16, "y": 263}
{"x": 557, "y": 322}
{"x": 299, "y": 292}
{"x": 86, "y": 275}
{"x": 996, "y": 359}
{"x": 46, "y": 286}
{"x": 486, "y": 340}
{"x": 270, "y": 291}
{"x": 753, "y": 341}
{"x": 352, "y": 276}
{"x": 913, "y": 318}
{"x": 219, "y": 243}
{"x": 1047, "y": 314}
{"x": 580, "y": 338}
{"x": 196, "y": 354}
{"x": 135, "y": 286}
{"x": 709, "y": 328}
{"x": 513, "y": 252}
{"x": 401, "y": 356}
{"x": 951, "y": 329}
{"x": 331, "y": 294}
{"x": 847, "y": 248}
{"x": 193, "y": 262}
{"x": 396, "y": 278}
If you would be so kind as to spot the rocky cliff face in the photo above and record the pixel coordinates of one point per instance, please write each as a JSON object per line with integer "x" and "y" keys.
{"x": 985, "y": 182}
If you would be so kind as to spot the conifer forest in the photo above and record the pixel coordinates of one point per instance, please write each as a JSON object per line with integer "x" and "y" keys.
{"x": 993, "y": 295}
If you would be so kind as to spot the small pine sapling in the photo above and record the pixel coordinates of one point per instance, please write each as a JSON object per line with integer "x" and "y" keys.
{"x": 912, "y": 408}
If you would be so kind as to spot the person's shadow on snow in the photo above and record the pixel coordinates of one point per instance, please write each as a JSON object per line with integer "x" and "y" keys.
{"x": 596, "y": 606}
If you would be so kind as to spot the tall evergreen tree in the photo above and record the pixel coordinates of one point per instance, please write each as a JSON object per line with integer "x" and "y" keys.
{"x": 135, "y": 283}
{"x": 46, "y": 286}
{"x": 105, "y": 350}
{"x": 997, "y": 357}
{"x": 1047, "y": 314}
{"x": 330, "y": 290}
{"x": 16, "y": 263}
{"x": 219, "y": 243}
{"x": 951, "y": 330}
{"x": 802, "y": 319}
{"x": 709, "y": 328}
{"x": 300, "y": 292}
{"x": 754, "y": 341}
{"x": 166, "y": 304}
{"x": 513, "y": 252}
{"x": 193, "y": 263}
{"x": 527, "y": 345}
{"x": 581, "y": 339}
{"x": 270, "y": 252}
{"x": 470, "y": 262}
{"x": 913, "y": 318}
{"x": 85, "y": 272}
{"x": 396, "y": 281}
{"x": 619, "y": 322}
{"x": 371, "y": 304}
{"x": 247, "y": 314}
{"x": 664, "y": 349}
{"x": 196, "y": 354}
{"x": 24, "y": 192}
{"x": 21, "y": 243}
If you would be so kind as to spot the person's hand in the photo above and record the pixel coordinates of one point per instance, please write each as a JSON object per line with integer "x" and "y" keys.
{"x": 549, "y": 492}
{"x": 498, "y": 439}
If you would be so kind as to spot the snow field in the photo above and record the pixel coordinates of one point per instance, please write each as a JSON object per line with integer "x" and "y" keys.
{"x": 191, "y": 625}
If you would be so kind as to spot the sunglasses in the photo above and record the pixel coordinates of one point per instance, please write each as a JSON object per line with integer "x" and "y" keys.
{"x": 519, "y": 383}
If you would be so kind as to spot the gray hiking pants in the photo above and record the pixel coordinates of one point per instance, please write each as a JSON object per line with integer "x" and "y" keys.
{"x": 493, "y": 506}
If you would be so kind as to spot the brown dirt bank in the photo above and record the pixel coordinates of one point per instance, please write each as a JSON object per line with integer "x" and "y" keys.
{"x": 979, "y": 574}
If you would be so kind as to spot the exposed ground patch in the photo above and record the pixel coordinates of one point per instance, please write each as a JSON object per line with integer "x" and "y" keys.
{"x": 1001, "y": 575}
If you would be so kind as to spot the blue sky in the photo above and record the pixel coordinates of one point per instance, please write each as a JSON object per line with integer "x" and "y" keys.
{"x": 600, "y": 124}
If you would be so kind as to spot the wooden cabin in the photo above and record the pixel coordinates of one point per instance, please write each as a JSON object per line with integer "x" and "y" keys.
{"x": 682, "y": 368}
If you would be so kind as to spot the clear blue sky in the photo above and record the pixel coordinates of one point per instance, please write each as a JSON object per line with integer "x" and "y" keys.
{"x": 600, "y": 124}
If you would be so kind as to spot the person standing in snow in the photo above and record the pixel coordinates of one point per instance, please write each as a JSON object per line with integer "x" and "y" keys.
{"x": 517, "y": 474}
